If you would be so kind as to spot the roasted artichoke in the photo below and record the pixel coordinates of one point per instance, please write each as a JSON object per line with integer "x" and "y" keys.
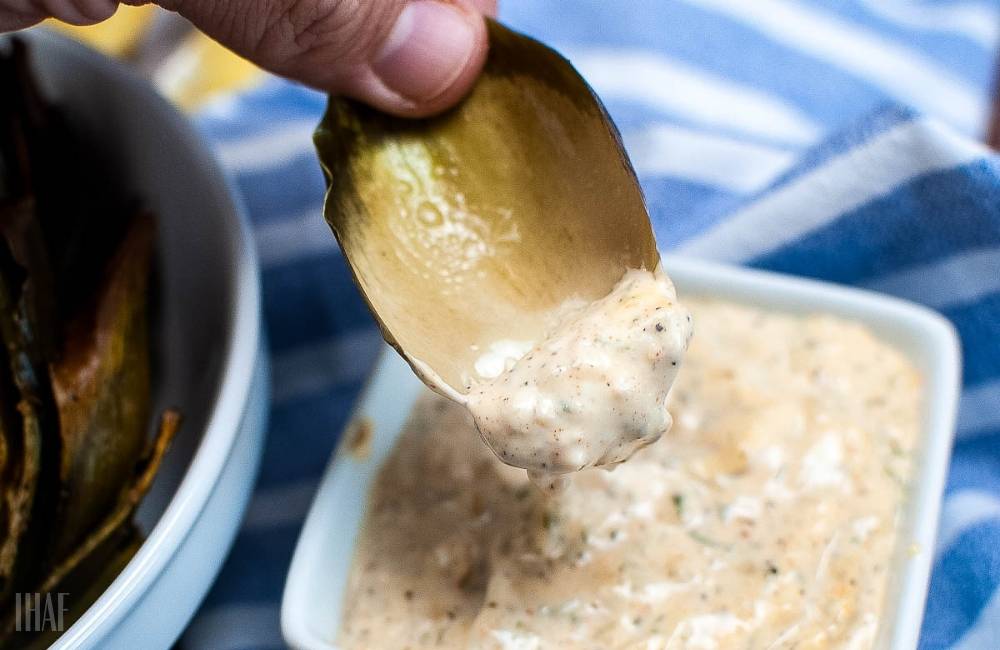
{"x": 76, "y": 455}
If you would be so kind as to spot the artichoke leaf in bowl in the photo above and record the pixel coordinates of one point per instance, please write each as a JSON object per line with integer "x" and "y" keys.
{"x": 27, "y": 322}
{"x": 30, "y": 492}
{"x": 87, "y": 583}
{"x": 22, "y": 458}
{"x": 101, "y": 386}
{"x": 90, "y": 567}
{"x": 76, "y": 456}
{"x": 119, "y": 517}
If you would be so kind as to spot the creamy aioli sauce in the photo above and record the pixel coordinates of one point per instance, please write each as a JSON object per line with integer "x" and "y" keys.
{"x": 766, "y": 518}
{"x": 594, "y": 391}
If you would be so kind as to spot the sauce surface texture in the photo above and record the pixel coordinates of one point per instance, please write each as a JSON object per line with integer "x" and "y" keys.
{"x": 765, "y": 519}
{"x": 594, "y": 391}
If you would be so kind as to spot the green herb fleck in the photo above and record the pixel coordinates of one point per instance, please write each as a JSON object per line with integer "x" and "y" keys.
{"x": 701, "y": 538}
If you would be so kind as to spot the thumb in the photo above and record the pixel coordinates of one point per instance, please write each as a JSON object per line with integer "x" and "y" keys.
{"x": 408, "y": 57}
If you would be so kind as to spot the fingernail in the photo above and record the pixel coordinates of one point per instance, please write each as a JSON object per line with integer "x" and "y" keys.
{"x": 426, "y": 50}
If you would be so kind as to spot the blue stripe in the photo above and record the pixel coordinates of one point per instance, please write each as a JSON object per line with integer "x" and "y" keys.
{"x": 285, "y": 190}
{"x": 281, "y": 103}
{"x": 903, "y": 228}
{"x": 977, "y": 326}
{"x": 724, "y": 47}
{"x": 840, "y": 141}
{"x": 976, "y": 464}
{"x": 269, "y": 552}
{"x": 962, "y": 582}
{"x": 308, "y": 429}
{"x": 633, "y": 115}
{"x": 681, "y": 209}
{"x": 310, "y": 300}
{"x": 960, "y": 55}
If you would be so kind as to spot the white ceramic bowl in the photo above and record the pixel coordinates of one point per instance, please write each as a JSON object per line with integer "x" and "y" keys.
{"x": 314, "y": 591}
{"x": 208, "y": 346}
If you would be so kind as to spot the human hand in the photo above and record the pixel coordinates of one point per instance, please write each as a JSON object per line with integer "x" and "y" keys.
{"x": 408, "y": 57}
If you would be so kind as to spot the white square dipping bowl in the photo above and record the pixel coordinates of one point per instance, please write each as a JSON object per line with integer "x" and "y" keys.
{"x": 315, "y": 588}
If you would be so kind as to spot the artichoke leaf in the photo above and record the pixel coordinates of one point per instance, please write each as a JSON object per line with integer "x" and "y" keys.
{"x": 88, "y": 562}
{"x": 19, "y": 482}
{"x": 75, "y": 454}
{"x": 27, "y": 496}
{"x": 84, "y": 586}
{"x": 470, "y": 226}
{"x": 27, "y": 322}
{"x": 101, "y": 386}
{"x": 22, "y": 118}
{"x": 127, "y": 502}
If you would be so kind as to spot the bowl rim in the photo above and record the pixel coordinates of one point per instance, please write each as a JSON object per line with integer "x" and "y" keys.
{"x": 790, "y": 294}
{"x": 236, "y": 368}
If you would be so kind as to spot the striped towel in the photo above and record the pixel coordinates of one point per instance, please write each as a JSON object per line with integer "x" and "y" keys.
{"x": 828, "y": 138}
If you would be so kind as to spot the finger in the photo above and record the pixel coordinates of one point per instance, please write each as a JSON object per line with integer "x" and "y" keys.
{"x": 18, "y": 14}
{"x": 408, "y": 57}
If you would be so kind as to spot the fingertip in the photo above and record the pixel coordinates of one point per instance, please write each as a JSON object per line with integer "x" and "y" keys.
{"x": 428, "y": 62}
{"x": 464, "y": 80}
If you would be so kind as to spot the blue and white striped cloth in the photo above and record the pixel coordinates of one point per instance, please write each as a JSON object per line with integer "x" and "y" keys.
{"x": 828, "y": 138}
